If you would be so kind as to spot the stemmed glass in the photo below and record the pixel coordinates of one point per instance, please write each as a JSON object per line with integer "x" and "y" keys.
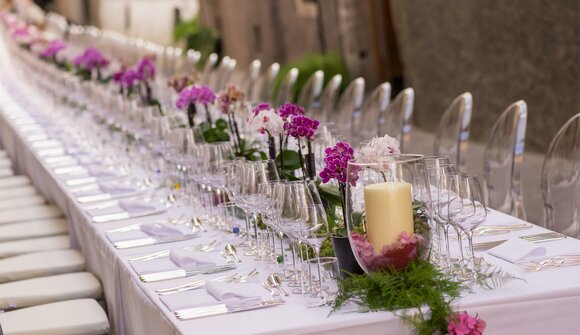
{"x": 465, "y": 208}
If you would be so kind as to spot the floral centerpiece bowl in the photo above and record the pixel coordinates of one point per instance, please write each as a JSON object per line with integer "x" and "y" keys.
{"x": 387, "y": 210}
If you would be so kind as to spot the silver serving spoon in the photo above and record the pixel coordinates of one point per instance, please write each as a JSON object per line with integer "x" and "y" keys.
{"x": 231, "y": 250}
{"x": 275, "y": 281}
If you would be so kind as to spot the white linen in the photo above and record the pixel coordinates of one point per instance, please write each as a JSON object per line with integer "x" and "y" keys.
{"x": 133, "y": 206}
{"x": 159, "y": 229}
{"x": 191, "y": 260}
{"x": 230, "y": 292}
{"x": 516, "y": 249}
{"x": 102, "y": 171}
{"x": 116, "y": 187}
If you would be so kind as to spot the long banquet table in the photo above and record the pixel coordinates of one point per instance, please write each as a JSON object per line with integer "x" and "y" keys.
{"x": 548, "y": 301}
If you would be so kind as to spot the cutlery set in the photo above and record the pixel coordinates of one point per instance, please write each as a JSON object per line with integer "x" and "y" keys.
{"x": 536, "y": 238}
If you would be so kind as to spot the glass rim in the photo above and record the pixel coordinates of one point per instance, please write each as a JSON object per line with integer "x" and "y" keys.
{"x": 397, "y": 159}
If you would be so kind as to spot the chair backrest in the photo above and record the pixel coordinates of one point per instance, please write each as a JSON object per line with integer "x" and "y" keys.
{"x": 263, "y": 87}
{"x": 561, "y": 180}
{"x": 395, "y": 120}
{"x": 208, "y": 68}
{"x": 502, "y": 161}
{"x": 286, "y": 90}
{"x": 453, "y": 131}
{"x": 192, "y": 58}
{"x": 309, "y": 97}
{"x": 349, "y": 105}
{"x": 225, "y": 71}
{"x": 365, "y": 123}
{"x": 251, "y": 77}
{"x": 328, "y": 99}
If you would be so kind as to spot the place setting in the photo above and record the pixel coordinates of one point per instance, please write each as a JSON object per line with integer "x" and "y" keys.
{"x": 128, "y": 208}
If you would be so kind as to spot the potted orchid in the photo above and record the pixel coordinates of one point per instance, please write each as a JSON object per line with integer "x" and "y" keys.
{"x": 51, "y": 51}
{"x": 190, "y": 98}
{"x": 232, "y": 104}
{"x": 138, "y": 81}
{"x": 90, "y": 64}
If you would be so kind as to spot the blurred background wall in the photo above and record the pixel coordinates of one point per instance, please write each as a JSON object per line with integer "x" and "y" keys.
{"x": 499, "y": 50}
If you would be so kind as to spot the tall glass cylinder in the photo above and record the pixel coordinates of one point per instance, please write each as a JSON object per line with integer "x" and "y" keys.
{"x": 388, "y": 210}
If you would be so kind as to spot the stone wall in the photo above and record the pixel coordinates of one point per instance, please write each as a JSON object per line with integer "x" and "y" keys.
{"x": 499, "y": 50}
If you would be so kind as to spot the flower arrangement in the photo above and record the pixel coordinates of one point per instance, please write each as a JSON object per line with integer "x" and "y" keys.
{"x": 465, "y": 324}
{"x": 192, "y": 96}
{"x": 178, "y": 83}
{"x": 90, "y": 61}
{"x": 52, "y": 49}
{"x": 265, "y": 120}
{"x": 381, "y": 146}
{"x": 232, "y": 104}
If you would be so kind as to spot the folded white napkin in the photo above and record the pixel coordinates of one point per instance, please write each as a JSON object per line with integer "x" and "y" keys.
{"x": 230, "y": 292}
{"x": 191, "y": 260}
{"x": 116, "y": 187}
{"x": 136, "y": 205}
{"x": 101, "y": 171}
{"x": 165, "y": 229}
{"x": 516, "y": 249}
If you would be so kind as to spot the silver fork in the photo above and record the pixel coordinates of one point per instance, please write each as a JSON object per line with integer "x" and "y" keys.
{"x": 235, "y": 278}
{"x": 554, "y": 261}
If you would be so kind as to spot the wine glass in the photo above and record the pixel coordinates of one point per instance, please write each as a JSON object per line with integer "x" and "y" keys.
{"x": 466, "y": 208}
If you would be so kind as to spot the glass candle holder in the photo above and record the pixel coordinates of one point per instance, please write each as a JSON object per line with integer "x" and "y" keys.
{"x": 387, "y": 211}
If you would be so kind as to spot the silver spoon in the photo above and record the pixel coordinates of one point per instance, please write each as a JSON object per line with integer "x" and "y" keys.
{"x": 231, "y": 250}
{"x": 275, "y": 281}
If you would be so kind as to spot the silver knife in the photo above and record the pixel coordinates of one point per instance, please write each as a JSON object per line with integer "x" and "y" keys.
{"x": 125, "y": 215}
{"x": 70, "y": 169}
{"x": 180, "y": 273}
{"x": 106, "y": 196}
{"x": 150, "y": 241}
{"x": 199, "y": 312}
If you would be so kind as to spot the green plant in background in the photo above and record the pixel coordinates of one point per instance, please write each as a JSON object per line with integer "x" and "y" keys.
{"x": 331, "y": 64}
{"x": 198, "y": 37}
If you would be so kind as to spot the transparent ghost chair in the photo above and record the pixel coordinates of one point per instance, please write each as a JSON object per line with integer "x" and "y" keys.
{"x": 208, "y": 68}
{"x": 192, "y": 57}
{"x": 286, "y": 90}
{"x": 502, "y": 161}
{"x": 453, "y": 132}
{"x": 262, "y": 90}
{"x": 252, "y": 77}
{"x": 225, "y": 72}
{"x": 349, "y": 105}
{"x": 365, "y": 123}
{"x": 309, "y": 96}
{"x": 561, "y": 180}
{"x": 328, "y": 99}
{"x": 395, "y": 121}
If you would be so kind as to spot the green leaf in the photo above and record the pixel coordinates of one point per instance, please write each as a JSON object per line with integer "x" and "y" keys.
{"x": 330, "y": 194}
{"x": 290, "y": 158}
{"x": 221, "y": 124}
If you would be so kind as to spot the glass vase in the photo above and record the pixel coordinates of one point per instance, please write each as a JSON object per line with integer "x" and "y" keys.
{"x": 387, "y": 211}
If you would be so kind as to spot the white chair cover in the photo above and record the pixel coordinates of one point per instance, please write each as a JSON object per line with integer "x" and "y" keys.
{"x": 29, "y": 201}
{"x": 15, "y": 192}
{"x": 29, "y": 214}
{"x": 6, "y": 172}
{"x": 18, "y": 247}
{"x": 15, "y": 181}
{"x": 32, "y": 229}
{"x": 40, "y": 264}
{"x": 72, "y": 317}
{"x": 44, "y": 290}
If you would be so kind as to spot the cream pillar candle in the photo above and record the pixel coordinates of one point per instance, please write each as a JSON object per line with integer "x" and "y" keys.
{"x": 389, "y": 211}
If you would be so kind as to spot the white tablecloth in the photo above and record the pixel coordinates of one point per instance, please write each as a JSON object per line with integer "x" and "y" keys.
{"x": 548, "y": 302}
